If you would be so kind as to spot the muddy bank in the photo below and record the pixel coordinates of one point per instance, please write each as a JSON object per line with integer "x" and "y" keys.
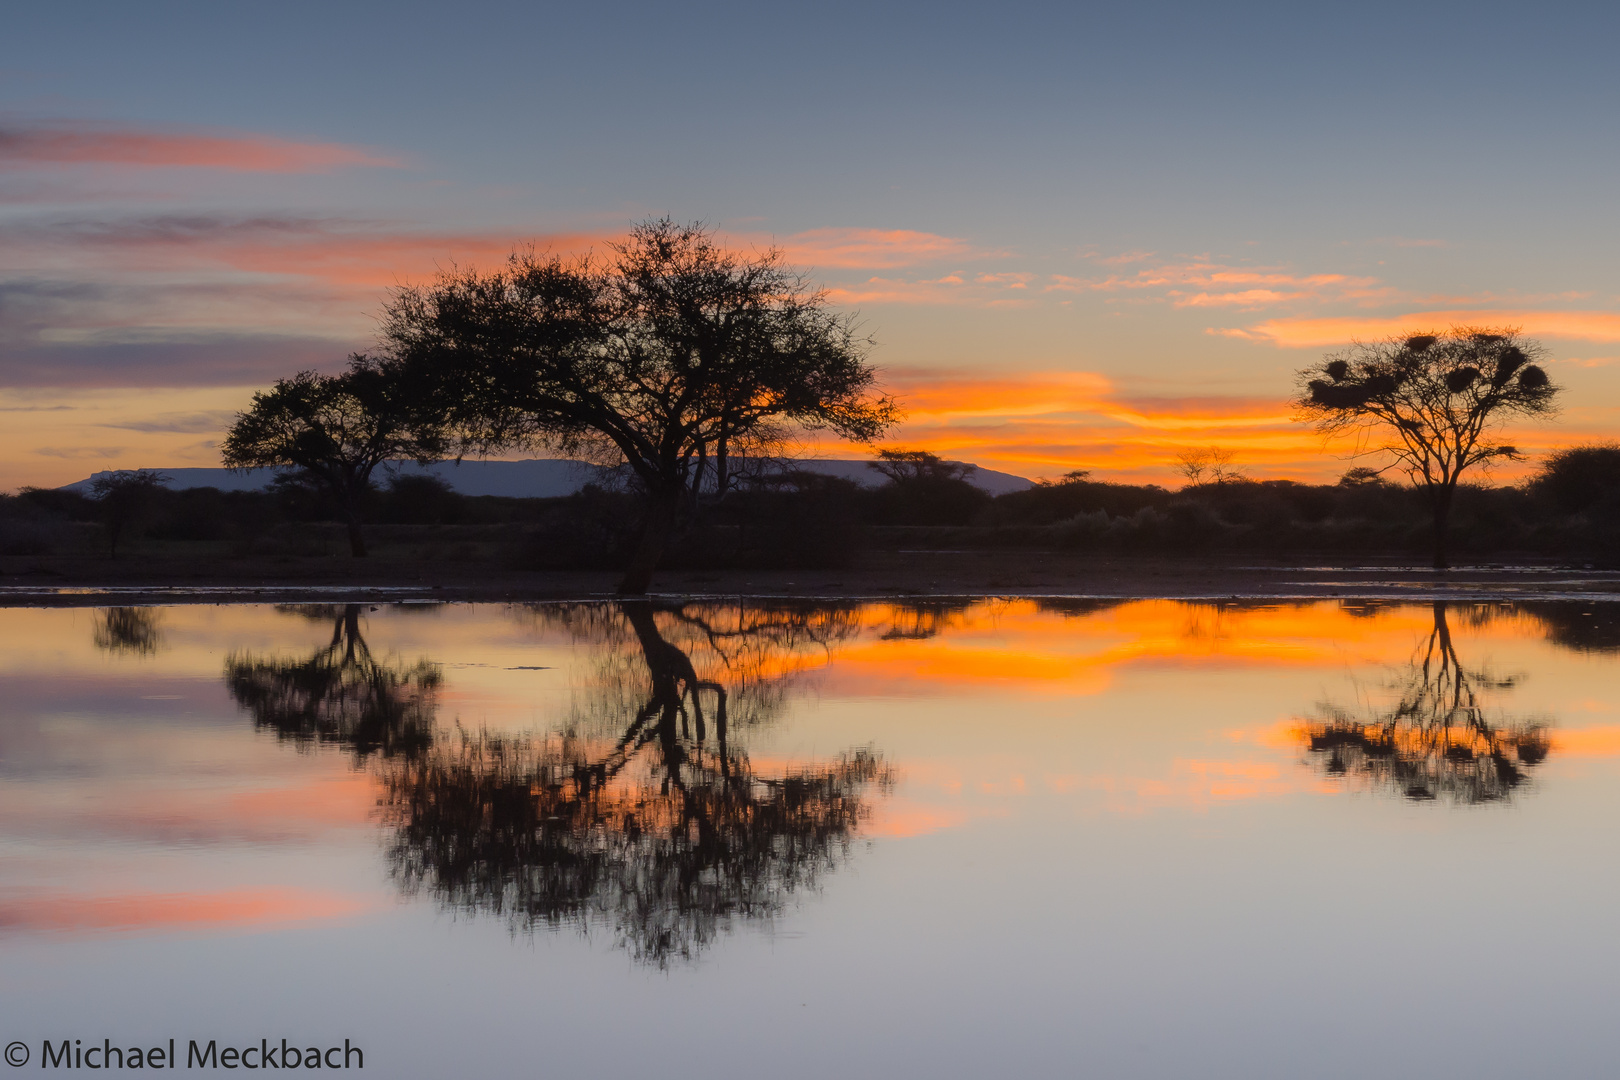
{"x": 178, "y": 579}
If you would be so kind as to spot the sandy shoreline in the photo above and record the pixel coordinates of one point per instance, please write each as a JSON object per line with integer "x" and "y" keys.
{"x": 914, "y": 575}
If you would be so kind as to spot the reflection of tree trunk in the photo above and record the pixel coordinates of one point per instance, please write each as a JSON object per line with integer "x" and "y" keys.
{"x": 655, "y": 533}
{"x": 1441, "y": 500}
{"x": 673, "y": 678}
{"x": 1436, "y": 738}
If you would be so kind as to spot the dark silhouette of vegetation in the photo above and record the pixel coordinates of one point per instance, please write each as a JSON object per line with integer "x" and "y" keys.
{"x": 126, "y": 500}
{"x": 1582, "y": 480}
{"x": 1432, "y": 735}
{"x": 1431, "y": 402}
{"x": 643, "y": 815}
{"x": 335, "y": 430}
{"x": 924, "y": 489}
{"x": 673, "y": 358}
{"x": 341, "y": 694}
{"x": 130, "y": 630}
{"x": 804, "y": 520}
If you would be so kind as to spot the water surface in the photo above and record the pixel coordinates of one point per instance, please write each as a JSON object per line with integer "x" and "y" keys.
{"x": 1040, "y": 838}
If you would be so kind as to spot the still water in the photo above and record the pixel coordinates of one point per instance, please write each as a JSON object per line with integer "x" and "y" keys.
{"x": 990, "y": 838}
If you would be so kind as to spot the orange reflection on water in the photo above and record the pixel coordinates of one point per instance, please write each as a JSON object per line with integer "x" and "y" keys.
{"x": 1034, "y": 648}
{"x": 132, "y": 912}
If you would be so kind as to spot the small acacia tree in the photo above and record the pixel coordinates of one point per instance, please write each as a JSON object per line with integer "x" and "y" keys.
{"x": 669, "y": 358}
{"x": 1209, "y": 465}
{"x": 336, "y": 430}
{"x": 1432, "y": 402}
{"x": 126, "y": 498}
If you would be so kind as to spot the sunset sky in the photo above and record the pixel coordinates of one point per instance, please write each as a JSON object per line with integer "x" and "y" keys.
{"x": 1083, "y": 236}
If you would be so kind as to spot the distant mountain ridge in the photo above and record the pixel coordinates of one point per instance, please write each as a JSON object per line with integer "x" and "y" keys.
{"x": 536, "y": 478}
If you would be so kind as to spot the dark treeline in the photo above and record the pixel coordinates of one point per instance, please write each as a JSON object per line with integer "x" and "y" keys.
{"x": 1570, "y": 510}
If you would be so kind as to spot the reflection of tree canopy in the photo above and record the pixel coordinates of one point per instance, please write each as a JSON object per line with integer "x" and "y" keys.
{"x": 665, "y": 833}
{"x": 341, "y": 693}
{"x": 1585, "y": 626}
{"x": 1433, "y": 737}
{"x": 128, "y": 630}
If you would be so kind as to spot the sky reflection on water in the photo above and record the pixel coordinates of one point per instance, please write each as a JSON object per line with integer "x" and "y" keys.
{"x": 1144, "y": 838}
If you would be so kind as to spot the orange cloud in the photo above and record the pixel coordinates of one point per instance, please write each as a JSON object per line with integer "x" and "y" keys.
{"x": 1601, "y": 326}
{"x": 1047, "y": 423}
{"x": 38, "y": 912}
{"x": 78, "y": 144}
{"x": 1200, "y": 283}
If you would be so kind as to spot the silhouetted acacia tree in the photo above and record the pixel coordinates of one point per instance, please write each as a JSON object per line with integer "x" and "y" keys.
{"x": 336, "y": 430}
{"x": 1434, "y": 737}
{"x": 659, "y": 827}
{"x": 341, "y": 694}
{"x": 126, "y": 499}
{"x": 1209, "y": 465}
{"x": 1431, "y": 401}
{"x": 671, "y": 358}
{"x": 925, "y": 489}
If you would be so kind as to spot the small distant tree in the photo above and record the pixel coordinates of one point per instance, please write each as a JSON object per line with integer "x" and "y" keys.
{"x": 336, "y": 430}
{"x": 1362, "y": 477}
{"x": 925, "y": 489}
{"x": 1209, "y": 465}
{"x": 126, "y": 499}
{"x": 1430, "y": 401}
{"x": 1073, "y": 476}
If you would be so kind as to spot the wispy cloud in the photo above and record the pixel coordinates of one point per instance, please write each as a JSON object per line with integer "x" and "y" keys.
{"x": 1124, "y": 258}
{"x": 58, "y": 143}
{"x": 963, "y": 289}
{"x": 180, "y": 423}
{"x": 1594, "y": 326}
{"x": 872, "y": 249}
{"x": 1202, "y": 283}
{"x": 338, "y": 250}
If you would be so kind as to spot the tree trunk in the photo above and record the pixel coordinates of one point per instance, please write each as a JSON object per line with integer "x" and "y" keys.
{"x": 357, "y": 542}
{"x": 1442, "y": 518}
{"x": 655, "y": 532}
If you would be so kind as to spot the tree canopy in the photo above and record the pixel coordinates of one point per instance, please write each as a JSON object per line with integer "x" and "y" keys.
{"x": 1430, "y": 401}
{"x": 336, "y": 429}
{"x": 671, "y": 357}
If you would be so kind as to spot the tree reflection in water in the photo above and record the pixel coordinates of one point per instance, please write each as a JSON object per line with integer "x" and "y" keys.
{"x": 341, "y": 694}
{"x": 665, "y": 833}
{"x": 1433, "y": 738}
{"x": 128, "y": 630}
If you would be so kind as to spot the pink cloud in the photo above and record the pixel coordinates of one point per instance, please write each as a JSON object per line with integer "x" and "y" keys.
{"x": 85, "y": 144}
{"x": 1597, "y": 326}
{"x": 1200, "y": 283}
{"x": 871, "y": 249}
